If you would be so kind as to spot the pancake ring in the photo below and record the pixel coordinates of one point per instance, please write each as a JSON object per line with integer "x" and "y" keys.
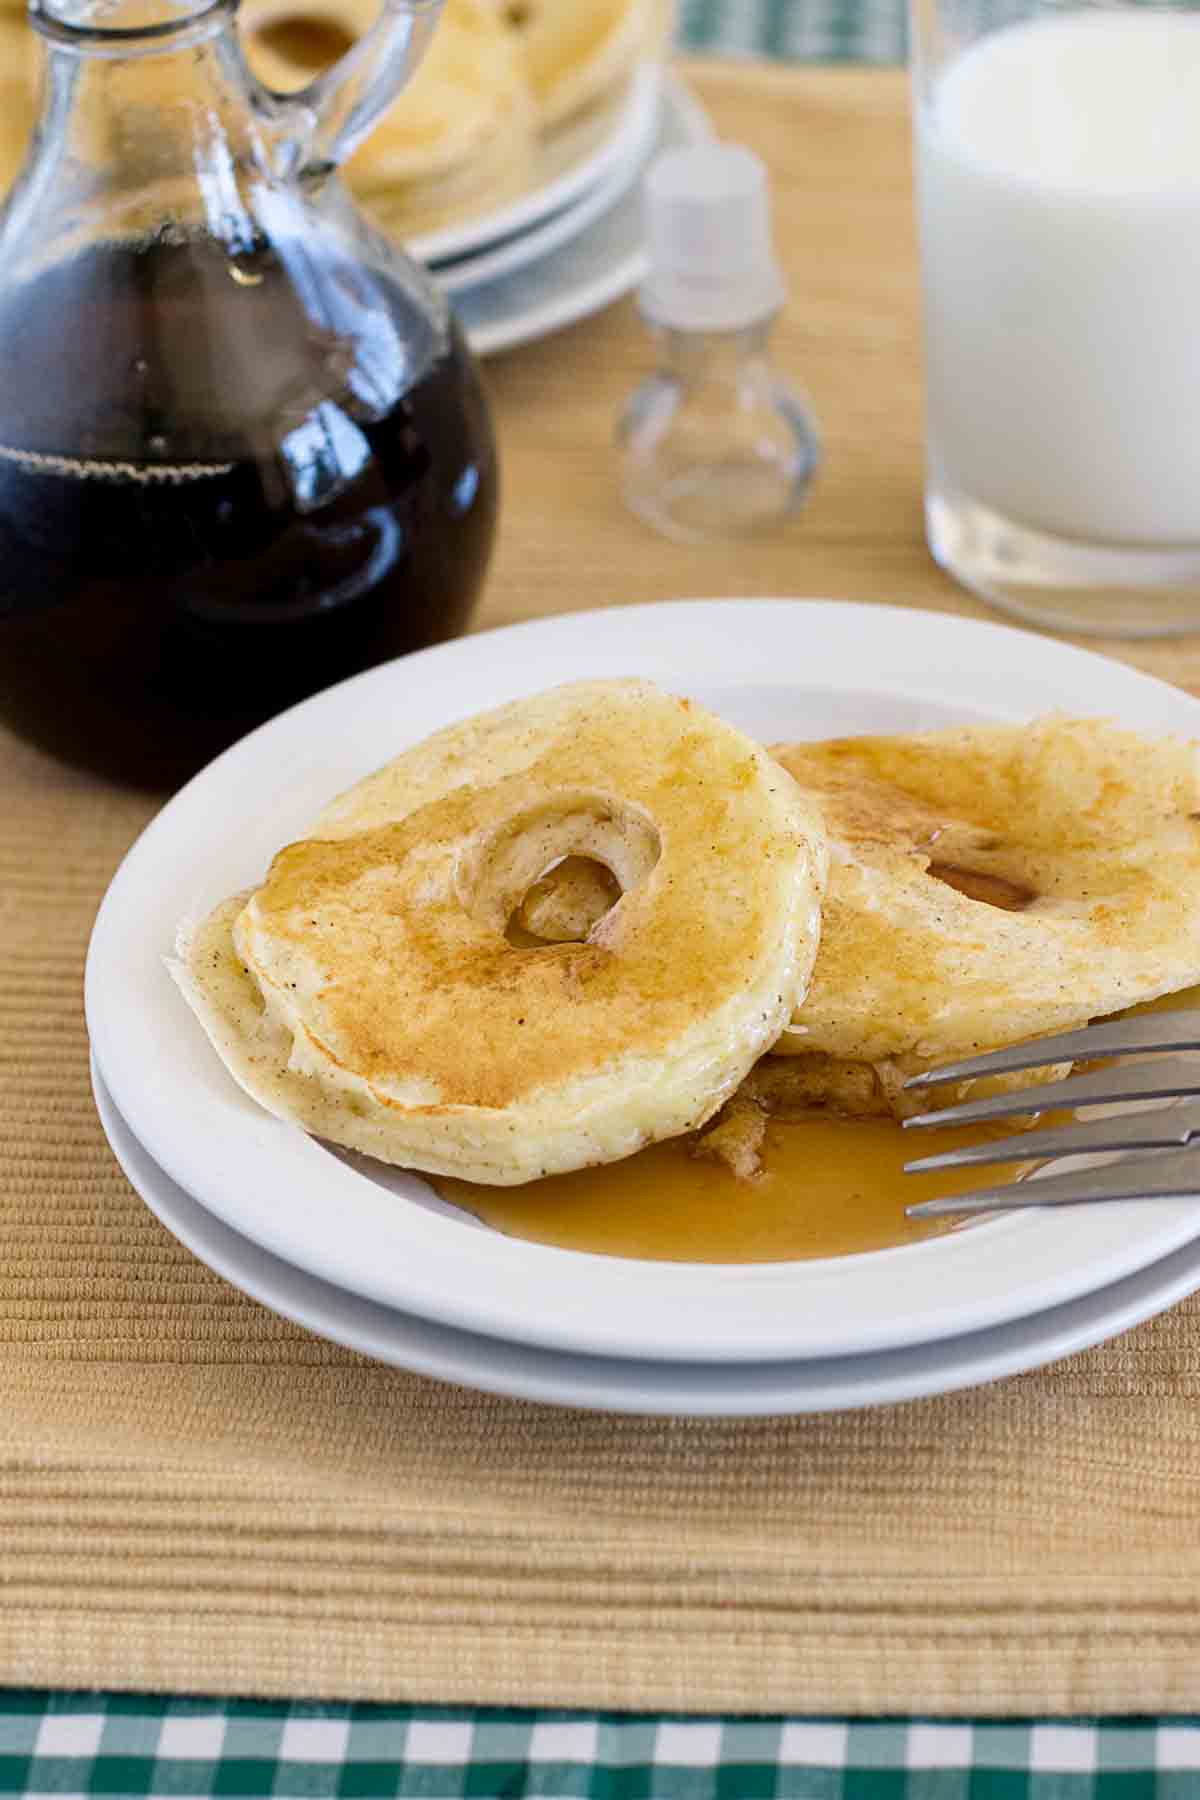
{"x": 996, "y": 883}
{"x": 289, "y": 43}
{"x": 371, "y": 991}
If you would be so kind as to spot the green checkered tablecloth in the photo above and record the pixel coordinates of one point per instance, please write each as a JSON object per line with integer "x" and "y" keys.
{"x": 861, "y": 31}
{"x": 83, "y": 1746}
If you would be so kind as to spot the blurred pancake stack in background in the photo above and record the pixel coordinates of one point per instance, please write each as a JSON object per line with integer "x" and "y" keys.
{"x": 459, "y": 140}
{"x": 502, "y": 83}
{"x": 578, "y": 53}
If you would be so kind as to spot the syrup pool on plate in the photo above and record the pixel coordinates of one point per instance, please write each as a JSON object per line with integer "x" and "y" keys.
{"x": 830, "y": 1186}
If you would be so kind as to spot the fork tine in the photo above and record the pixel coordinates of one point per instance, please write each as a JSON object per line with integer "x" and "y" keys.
{"x": 1155, "y": 1080}
{"x": 1162, "y": 1128}
{"x": 1155, "y": 1177}
{"x": 1112, "y": 1037}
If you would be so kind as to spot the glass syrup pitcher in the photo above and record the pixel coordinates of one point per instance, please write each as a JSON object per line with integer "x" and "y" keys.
{"x": 243, "y": 450}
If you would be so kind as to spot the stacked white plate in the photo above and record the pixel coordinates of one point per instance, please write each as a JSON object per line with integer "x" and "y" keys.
{"x": 573, "y": 243}
{"x": 370, "y": 1257}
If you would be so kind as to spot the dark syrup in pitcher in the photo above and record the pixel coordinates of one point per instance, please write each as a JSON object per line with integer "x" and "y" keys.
{"x": 211, "y": 506}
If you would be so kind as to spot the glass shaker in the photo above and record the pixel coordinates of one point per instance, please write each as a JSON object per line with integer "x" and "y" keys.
{"x": 715, "y": 443}
{"x": 244, "y": 452}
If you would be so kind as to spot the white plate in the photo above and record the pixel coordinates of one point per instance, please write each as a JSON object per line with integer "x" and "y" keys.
{"x": 552, "y": 233}
{"x": 609, "y": 1384}
{"x": 597, "y": 266}
{"x": 569, "y": 162}
{"x": 778, "y": 669}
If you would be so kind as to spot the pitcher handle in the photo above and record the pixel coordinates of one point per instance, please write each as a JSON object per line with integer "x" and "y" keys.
{"x": 339, "y": 108}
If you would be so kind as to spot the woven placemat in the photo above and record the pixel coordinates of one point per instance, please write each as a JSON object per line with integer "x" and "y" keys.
{"x": 198, "y": 1496}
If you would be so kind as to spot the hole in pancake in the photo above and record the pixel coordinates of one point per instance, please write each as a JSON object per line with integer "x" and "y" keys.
{"x": 518, "y": 14}
{"x": 306, "y": 41}
{"x": 978, "y": 884}
{"x": 564, "y": 905}
{"x": 552, "y": 871}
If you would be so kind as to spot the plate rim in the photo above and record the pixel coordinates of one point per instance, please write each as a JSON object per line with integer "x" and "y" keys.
{"x": 624, "y": 1386}
{"x": 531, "y": 1292}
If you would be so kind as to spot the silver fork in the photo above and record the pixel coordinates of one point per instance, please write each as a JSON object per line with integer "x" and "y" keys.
{"x": 1159, "y": 1129}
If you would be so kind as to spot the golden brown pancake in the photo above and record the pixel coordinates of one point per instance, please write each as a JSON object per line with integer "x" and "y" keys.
{"x": 997, "y": 883}
{"x": 374, "y": 990}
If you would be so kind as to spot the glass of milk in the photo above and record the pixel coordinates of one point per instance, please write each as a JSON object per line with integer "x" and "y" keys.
{"x": 1058, "y": 185}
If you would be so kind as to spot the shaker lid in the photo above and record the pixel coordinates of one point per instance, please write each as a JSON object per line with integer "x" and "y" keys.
{"x": 708, "y": 235}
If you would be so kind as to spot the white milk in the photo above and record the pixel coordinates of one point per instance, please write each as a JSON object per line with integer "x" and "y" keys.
{"x": 1059, "y": 192}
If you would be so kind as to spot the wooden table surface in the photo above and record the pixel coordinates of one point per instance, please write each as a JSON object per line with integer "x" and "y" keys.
{"x": 197, "y": 1496}
{"x": 839, "y": 158}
